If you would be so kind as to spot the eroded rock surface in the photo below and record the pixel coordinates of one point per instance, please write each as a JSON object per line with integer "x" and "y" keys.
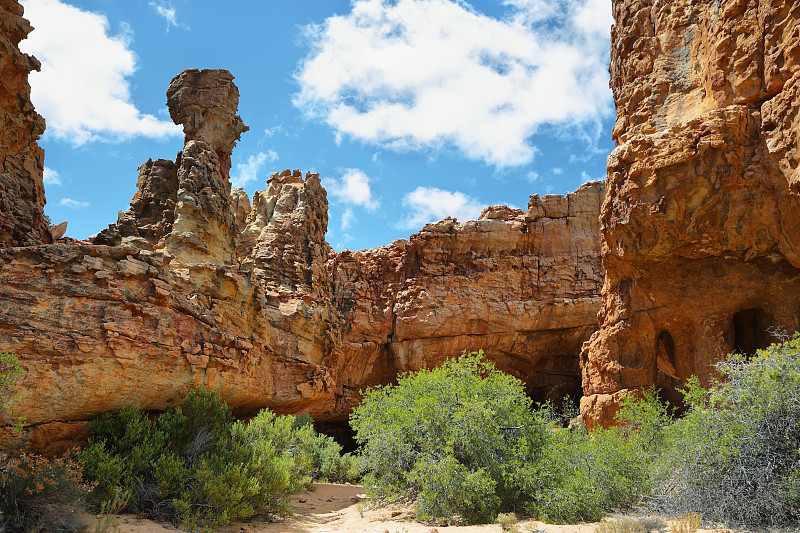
{"x": 522, "y": 286}
{"x": 22, "y": 200}
{"x": 699, "y": 224}
{"x": 194, "y": 286}
{"x": 185, "y": 206}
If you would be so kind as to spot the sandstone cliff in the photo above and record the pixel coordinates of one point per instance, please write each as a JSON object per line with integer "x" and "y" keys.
{"x": 520, "y": 285}
{"x": 21, "y": 160}
{"x": 699, "y": 224}
{"x": 194, "y": 286}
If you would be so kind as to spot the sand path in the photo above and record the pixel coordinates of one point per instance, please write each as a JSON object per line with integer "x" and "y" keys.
{"x": 342, "y": 509}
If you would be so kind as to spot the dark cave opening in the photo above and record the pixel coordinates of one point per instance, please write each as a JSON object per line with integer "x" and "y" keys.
{"x": 750, "y": 331}
{"x": 667, "y": 380}
{"x": 341, "y": 432}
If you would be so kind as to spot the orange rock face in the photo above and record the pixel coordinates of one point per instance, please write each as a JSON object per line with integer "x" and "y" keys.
{"x": 522, "y": 286}
{"x": 195, "y": 286}
{"x": 21, "y": 160}
{"x": 699, "y": 224}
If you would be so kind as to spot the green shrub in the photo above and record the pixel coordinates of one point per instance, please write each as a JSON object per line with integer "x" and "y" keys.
{"x": 463, "y": 440}
{"x": 40, "y": 494}
{"x": 11, "y": 372}
{"x": 583, "y": 476}
{"x": 734, "y": 456}
{"x": 456, "y": 440}
{"x": 197, "y": 464}
{"x": 325, "y": 461}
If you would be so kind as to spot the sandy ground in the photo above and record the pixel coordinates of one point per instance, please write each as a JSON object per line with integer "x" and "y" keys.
{"x": 343, "y": 509}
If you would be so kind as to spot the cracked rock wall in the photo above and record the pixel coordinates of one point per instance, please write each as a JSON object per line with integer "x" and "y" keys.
{"x": 194, "y": 286}
{"x": 522, "y": 286}
{"x": 700, "y": 222}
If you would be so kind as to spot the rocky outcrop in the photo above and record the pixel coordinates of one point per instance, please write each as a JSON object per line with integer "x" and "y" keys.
{"x": 522, "y": 286}
{"x": 152, "y": 212}
{"x": 295, "y": 327}
{"x": 21, "y": 160}
{"x": 283, "y": 241}
{"x": 699, "y": 224}
{"x": 160, "y": 303}
{"x": 98, "y": 328}
{"x": 185, "y": 207}
{"x": 194, "y": 286}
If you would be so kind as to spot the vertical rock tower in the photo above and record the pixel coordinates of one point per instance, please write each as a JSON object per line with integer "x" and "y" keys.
{"x": 701, "y": 220}
{"x": 205, "y": 103}
{"x": 21, "y": 159}
{"x": 185, "y": 207}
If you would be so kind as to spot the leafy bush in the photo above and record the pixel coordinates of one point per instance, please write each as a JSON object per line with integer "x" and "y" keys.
{"x": 582, "y": 476}
{"x": 325, "y": 459}
{"x": 734, "y": 456}
{"x": 464, "y": 440}
{"x": 40, "y": 494}
{"x": 197, "y": 464}
{"x": 456, "y": 440}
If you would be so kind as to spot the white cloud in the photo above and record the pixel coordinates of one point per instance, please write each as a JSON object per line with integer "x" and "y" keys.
{"x": 532, "y": 176}
{"x": 429, "y": 204}
{"x": 248, "y": 171}
{"x": 426, "y": 74}
{"x": 82, "y": 90}
{"x": 557, "y": 171}
{"x": 166, "y": 10}
{"x": 73, "y": 204}
{"x": 348, "y": 218}
{"x": 352, "y": 188}
{"x": 586, "y": 177}
{"x": 269, "y": 132}
{"x": 51, "y": 177}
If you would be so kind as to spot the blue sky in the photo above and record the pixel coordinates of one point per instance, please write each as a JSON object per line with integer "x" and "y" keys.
{"x": 410, "y": 110}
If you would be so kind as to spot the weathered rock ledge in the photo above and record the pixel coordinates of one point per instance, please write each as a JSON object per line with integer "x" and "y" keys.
{"x": 195, "y": 286}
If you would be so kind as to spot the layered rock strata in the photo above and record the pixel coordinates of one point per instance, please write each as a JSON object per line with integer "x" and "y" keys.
{"x": 194, "y": 286}
{"x": 522, "y": 286}
{"x": 22, "y": 199}
{"x": 700, "y": 222}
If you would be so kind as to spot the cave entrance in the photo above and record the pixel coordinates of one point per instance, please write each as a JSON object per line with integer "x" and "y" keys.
{"x": 339, "y": 431}
{"x": 667, "y": 380}
{"x": 750, "y": 331}
{"x": 665, "y": 353}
